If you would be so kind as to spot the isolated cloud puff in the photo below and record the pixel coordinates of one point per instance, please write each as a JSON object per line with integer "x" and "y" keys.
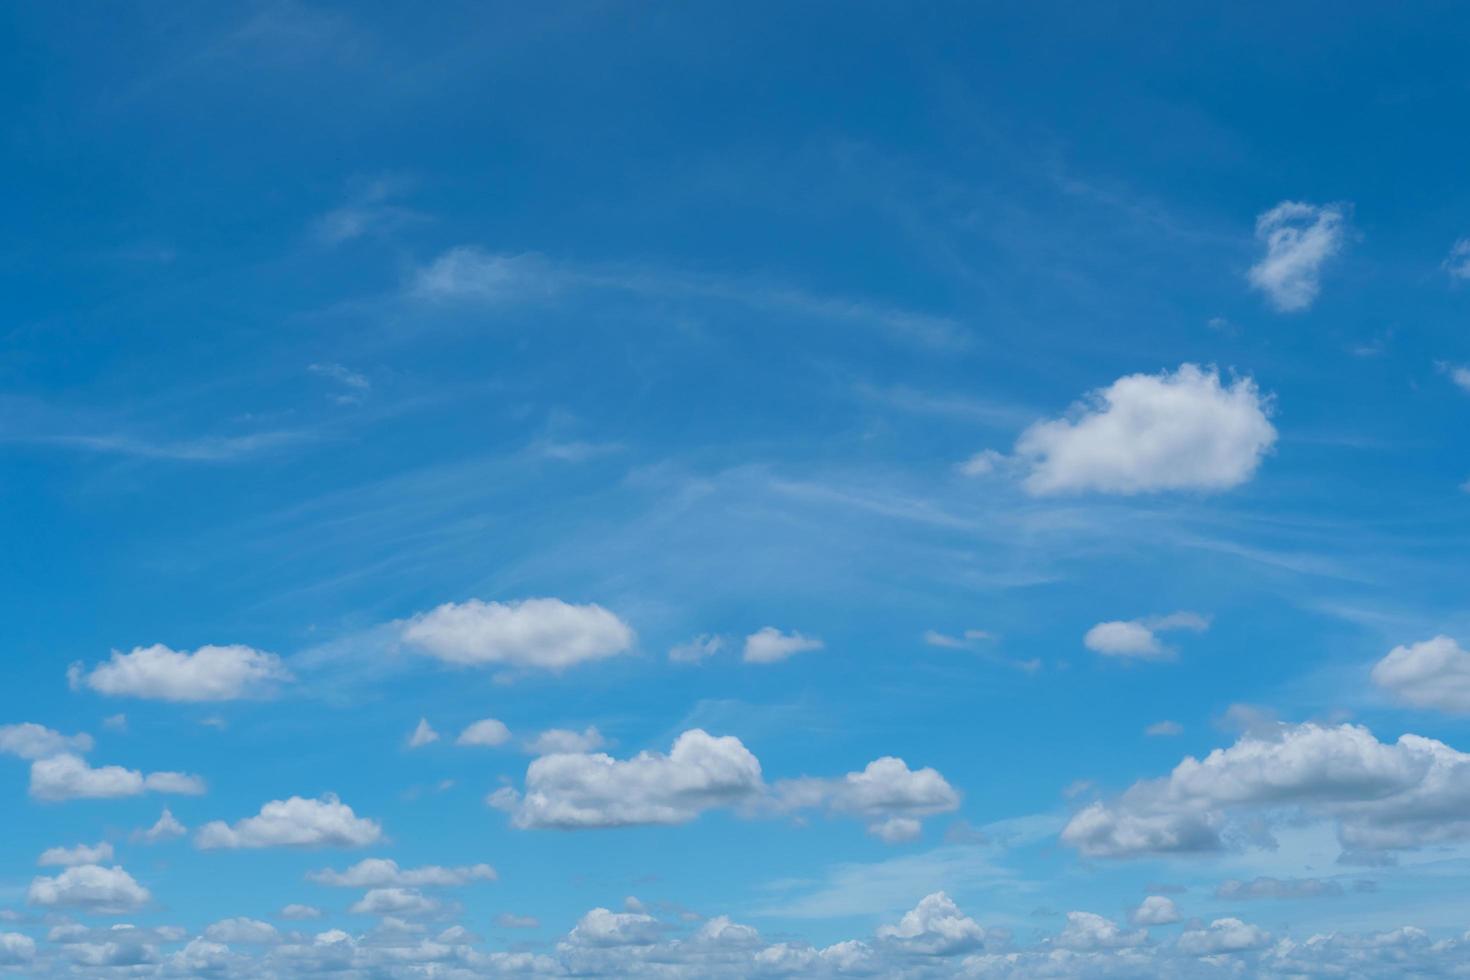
{"x": 31, "y": 741}
{"x": 887, "y": 794}
{"x": 295, "y": 822}
{"x": 1457, "y": 263}
{"x": 1155, "y": 910}
{"x": 1432, "y": 674}
{"x": 166, "y": 827}
{"x": 485, "y": 732}
{"x": 565, "y": 740}
{"x": 699, "y": 649}
{"x": 545, "y": 634}
{"x": 395, "y": 901}
{"x": 1383, "y": 796}
{"x": 211, "y": 673}
{"x": 66, "y": 857}
{"x": 69, "y": 777}
{"x": 385, "y": 873}
{"x": 934, "y": 927}
{"x": 242, "y": 931}
{"x": 1138, "y": 639}
{"x": 423, "y": 734}
{"x": 769, "y": 645}
{"x": 91, "y": 887}
{"x": 1299, "y": 239}
{"x": 1180, "y": 430}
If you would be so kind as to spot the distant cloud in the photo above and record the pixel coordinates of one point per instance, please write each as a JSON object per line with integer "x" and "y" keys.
{"x": 697, "y": 650}
{"x": 1139, "y": 638}
{"x": 91, "y": 888}
{"x": 555, "y": 740}
{"x": 769, "y": 645}
{"x": 1458, "y": 373}
{"x": 1277, "y": 888}
{"x": 1164, "y": 729}
{"x": 1434, "y": 673}
{"x": 1180, "y": 430}
{"x": 966, "y": 639}
{"x": 300, "y": 913}
{"x": 367, "y": 211}
{"x": 1299, "y": 239}
{"x": 422, "y": 735}
{"x": 384, "y": 873}
{"x": 66, "y": 857}
{"x": 211, "y": 673}
{"x": 1457, "y": 263}
{"x": 69, "y": 777}
{"x": 1155, "y": 910}
{"x": 167, "y": 827}
{"x": 29, "y": 740}
{"x": 296, "y": 822}
{"x": 545, "y": 634}
{"x": 487, "y": 732}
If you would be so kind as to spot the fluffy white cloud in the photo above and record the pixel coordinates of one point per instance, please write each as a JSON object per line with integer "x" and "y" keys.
{"x": 69, "y": 777}
{"x": 300, "y": 913}
{"x": 395, "y": 901}
{"x": 573, "y": 790}
{"x": 107, "y": 891}
{"x": 1432, "y": 674}
{"x": 211, "y": 673}
{"x": 934, "y": 927}
{"x": 422, "y": 735}
{"x": 1278, "y": 888}
{"x": 886, "y": 789}
{"x": 1384, "y": 796}
{"x": 1299, "y": 239}
{"x": 384, "y": 873}
{"x": 603, "y": 927}
{"x": 1222, "y": 936}
{"x": 546, "y": 634}
{"x": 242, "y": 931}
{"x": 555, "y": 740}
{"x": 896, "y": 830}
{"x": 31, "y": 741}
{"x": 1155, "y": 910}
{"x": 296, "y": 822}
{"x": 166, "y": 827}
{"x": 1181, "y": 430}
{"x": 16, "y": 949}
{"x": 769, "y": 645}
{"x": 1088, "y": 931}
{"x": 486, "y": 731}
{"x": 65, "y": 857}
{"x": 1138, "y": 639}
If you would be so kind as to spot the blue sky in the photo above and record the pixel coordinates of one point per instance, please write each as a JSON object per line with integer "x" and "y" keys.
{"x": 813, "y": 490}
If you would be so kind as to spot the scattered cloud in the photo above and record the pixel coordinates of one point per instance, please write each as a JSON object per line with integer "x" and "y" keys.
{"x": 1164, "y": 729}
{"x": 697, "y": 650}
{"x": 1299, "y": 240}
{"x": 295, "y": 822}
{"x": 166, "y": 827}
{"x": 1277, "y": 888}
{"x": 211, "y": 673}
{"x": 423, "y": 734}
{"x": 769, "y": 645}
{"x": 31, "y": 741}
{"x": 1434, "y": 673}
{"x": 92, "y": 888}
{"x": 1155, "y": 910}
{"x": 69, "y": 777}
{"x": 486, "y": 732}
{"x": 1138, "y": 639}
{"x": 66, "y": 857}
{"x": 544, "y": 634}
{"x": 555, "y": 740}
{"x": 1457, "y": 263}
{"x": 385, "y": 873}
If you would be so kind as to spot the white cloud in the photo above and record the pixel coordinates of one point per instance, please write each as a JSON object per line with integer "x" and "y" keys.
{"x": 211, "y": 673}
{"x": 897, "y": 830}
{"x": 1089, "y": 931}
{"x": 603, "y": 927}
{"x": 1299, "y": 239}
{"x": 769, "y": 645}
{"x": 1384, "y": 796}
{"x": 31, "y": 741}
{"x": 1266, "y": 887}
{"x": 555, "y": 740}
{"x": 422, "y": 735}
{"x": 546, "y": 634}
{"x": 384, "y": 873}
{"x": 934, "y": 927}
{"x": 486, "y": 731}
{"x": 1434, "y": 673}
{"x": 65, "y": 857}
{"x": 1155, "y": 910}
{"x": 106, "y": 891}
{"x": 242, "y": 931}
{"x": 694, "y": 651}
{"x": 1164, "y": 729}
{"x": 394, "y": 901}
{"x": 69, "y": 777}
{"x": 1138, "y": 639}
{"x": 885, "y": 789}
{"x": 580, "y": 790}
{"x": 167, "y": 827}
{"x": 300, "y": 913}
{"x": 1222, "y": 936}
{"x": 296, "y": 822}
{"x": 1183, "y": 430}
{"x": 1457, "y": 263}
{"x": 16, "y": 949}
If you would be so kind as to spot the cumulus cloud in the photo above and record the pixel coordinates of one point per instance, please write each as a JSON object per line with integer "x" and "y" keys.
{"x": 91, "y": 887}
{"x": 242, "y": 931}
{"x": 166, "y": 827}
{"x": 1180, "y": 430}
{"x": 1434, "y": 673}
{"x": 395, "y": 901}
{"x": 545, "y": 634}
{"x": 211, "y": 673}
{"x": 604, "y": 927}
{"x": 1089, "y": 931}
{"x": 485, "y": 732}
{"x": 31, "y": 741}
{"x": 699, "y": 649}
{"x": 1278, "y": 888}
{"x": 1299, "y": 239}
{"x": 16, "y": 949}
{"x": 65, "y": 857}
{"x": 1155, "y": 910}
{"x": 385, "y": 873}
{"x": 555, "y": 740}
{"x": 300, "y": 913}
{"x": 69, "y": 777}
{"x": 1164, "y": 729}
{"x": 423, "y": 734}
{"x": 769, "y": 645}
{"x": 1222, "y": 936}
{"x": 887, "y": 788}
{"x": 934, "y": 927}
{"x": 1383, "y": 796}
{"x": 296, "y": 822}
{"x": 1138, "y": 639}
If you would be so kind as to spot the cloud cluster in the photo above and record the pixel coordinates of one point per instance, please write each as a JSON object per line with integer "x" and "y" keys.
{"x": 90, "y": 887}
{"x": 295, "y": 822}
{"x": 211, "y": 673}
{"x": 1299, "y": 239}
{"x": 1138, "y": 639}
{"x": 69, "y": 777}
{"x": 543, "y": 634}
{"x": 1177, "y": 430}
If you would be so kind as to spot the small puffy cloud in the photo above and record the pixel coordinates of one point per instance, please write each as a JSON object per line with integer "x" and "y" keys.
{"x": 385, "y": 873}
{"x": 486, "y": 732}
{"x": 422, "y": 735}
{"x": 69, "y": 777}
{"x": 66, "y": 857}
{"x": 897, "y": 830}
{"x": 211, "y": 673}
{"x": 31, "y": 741}
{"x": 965, "y": 640}
{"x": 1138, "y": 639}
{"x": 885, "y": 789}
{"x": 1180, "y": 430}
{"x": 1434, "y": 673}
{"x": 1155, "y": 910}
{"x": 16, "y": 949}
{"x": 1222, "y": 936}
{"x": 166, "y": 827}
{"x": 1299, "y": 239}
{"x": 1087, "y": 931}
{"x": 300, "y": 913}
{"x": 91, "y": 887}
{"x": 603, "y": 927}
{"x": 1457, "y": 263}
{"x": 582, "y": 790}
{"x": 769, "y": 645}
{"x": 697, "y": 650}
{"x": 296, "y": 822}
{"x": 1278, "y": 888}
{"x": 395, "y": 901}
{"x": 555, "y": 740}
{"x": 545, "y": 634}
{"x": 241, "y": 931}
{"x": 1164, "y": 729}
{"x": 934, "y": 927}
